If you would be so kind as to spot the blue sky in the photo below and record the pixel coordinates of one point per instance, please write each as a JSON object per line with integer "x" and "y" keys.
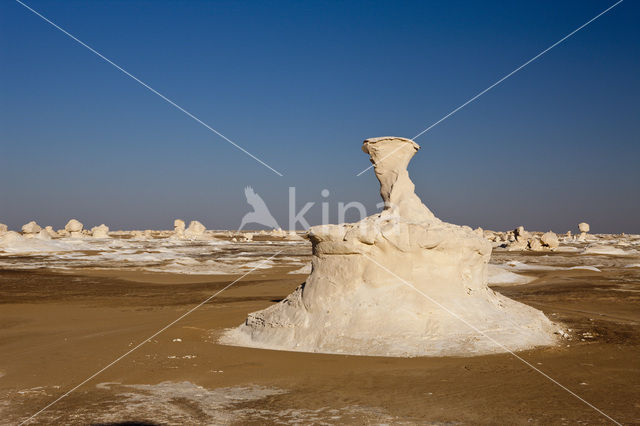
{"x": 300, "y": 85}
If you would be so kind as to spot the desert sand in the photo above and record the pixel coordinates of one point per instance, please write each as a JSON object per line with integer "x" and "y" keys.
{"x": 67, "y": 314}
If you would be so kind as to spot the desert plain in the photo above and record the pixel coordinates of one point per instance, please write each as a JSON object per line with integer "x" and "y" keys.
{"x": 70, "y": 307}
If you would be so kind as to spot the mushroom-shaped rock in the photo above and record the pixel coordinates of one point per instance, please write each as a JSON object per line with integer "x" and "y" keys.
{"x": 584, "y": 229}
{"x": 101, "y": 231}
{"x": 550, "y": 239}
{"x": 398, "y": 283}
{"x": 31, "y": 228}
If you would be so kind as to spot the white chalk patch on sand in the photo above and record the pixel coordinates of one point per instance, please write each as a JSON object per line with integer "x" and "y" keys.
{"x": 516, "y": 265}
{"x": 187, "y": 403}
{"x": 165, "y": 402}
{"x": 609, "y": 251}
{"x": 498, "y": 275}
{"x": 586, "y": 267}
{"x": 306, "y": 270}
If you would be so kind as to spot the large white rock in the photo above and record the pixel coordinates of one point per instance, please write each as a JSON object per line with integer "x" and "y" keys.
{"x": 31, "y": 228}
{"x": 195, "y": 230}
{"x": 550, "y": 239}
{"x": 178, "y": 228}
{"x": 398, "y": 283}
{"x": 101, "y": 231}
{"x": 51, "y": 232}
{"x": 43, "y": 235}
{"x": 584, "y": 229}
{"x": 521, "y": 234}
{"x": 74, "y": 228}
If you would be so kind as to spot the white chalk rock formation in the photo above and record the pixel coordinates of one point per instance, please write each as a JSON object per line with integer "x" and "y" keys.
{"x": 178, "y": 228}
{"x": 101, "y": 231}
{"x": 31, "y": 229}
{"x": 195, "y": 231}
{"x": 398, "y": 283}
{"x": 3, "y": 228}
{"x": 535, "y": 244}
{"x": 74, "y": 228}
{"x": 51, "y": 232}
{"x": 521, "y": 234}
{"x": 550, "y": 240}
{"x": 584, "y": 230}
{"x": 43, "y": 235}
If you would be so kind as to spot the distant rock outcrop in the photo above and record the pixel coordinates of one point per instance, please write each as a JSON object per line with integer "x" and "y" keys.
{"x": 74, "y": 228}
{"x": 195, "y": 230}
{"x": 101, "y": 231}
{"x": 31, "y": 228}
{"x": 584, "y": 230}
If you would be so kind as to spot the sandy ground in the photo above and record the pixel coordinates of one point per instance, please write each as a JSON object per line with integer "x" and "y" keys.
{"x": 57, "y": 329}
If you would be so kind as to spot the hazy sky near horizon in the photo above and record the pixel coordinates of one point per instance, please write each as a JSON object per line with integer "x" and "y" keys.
{"x": 301, "y": 85}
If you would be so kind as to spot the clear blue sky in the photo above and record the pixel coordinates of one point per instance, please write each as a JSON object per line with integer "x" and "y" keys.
{"x": 301, "y": 84}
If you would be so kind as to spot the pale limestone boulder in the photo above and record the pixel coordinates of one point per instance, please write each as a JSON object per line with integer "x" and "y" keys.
{"x": 550, "y": 239}
{"x": 535, "y": 245}
{"x": 195, "y": 231}
{"x": 31, "y": 228}
{"x": 398, "y": 283}
{"x": 51, "y": 232}
{"x": 101, "y": 231}
{"x": 3, "y": 228}
{"x": 10, "y": 238}
{"x": 43, "y": 235}
{"x": 521, "y": 234}
{"x": 178, "y": 228}
{"x": 584, "y": 230}
{"x": 517, "y": 245}
{"x": 74, "y": 228}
